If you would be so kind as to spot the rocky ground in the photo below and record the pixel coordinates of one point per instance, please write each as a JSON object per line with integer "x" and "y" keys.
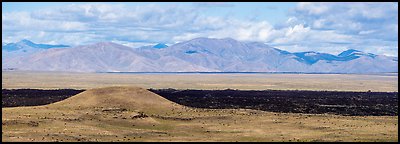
{"x": 313, "y": 102}
{"x": 34, "y": 97}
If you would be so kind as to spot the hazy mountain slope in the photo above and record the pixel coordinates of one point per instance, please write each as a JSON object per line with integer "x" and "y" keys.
{"x": 200, "y": 54}
{"x": 26, "y": 43}
{"x": 24, "y": 48}
{"x": 99, "y": 57}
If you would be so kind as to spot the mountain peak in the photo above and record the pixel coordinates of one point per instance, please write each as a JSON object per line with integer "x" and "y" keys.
{"x": 104, "y": 44}
{"x": 349, "y": 52}
{"x": 26, "y": 42}
{"x": 228, "y": 39}
{"x": 352, "y": 50}
{"x": 201, "y": 39}
{"x": 160, "y": 46}
{"x": 352, "y": 53}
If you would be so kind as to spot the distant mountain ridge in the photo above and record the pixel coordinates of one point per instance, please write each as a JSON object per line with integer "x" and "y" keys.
{"x": 197, "y": 55}
{"x": 26, "y": 43}
{"x": 313, "y": 57}
{"x": 24, "y": 48}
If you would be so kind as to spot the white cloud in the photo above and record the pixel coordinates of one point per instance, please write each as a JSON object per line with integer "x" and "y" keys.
{"x": 186, "y": 36}
{"x": 133, "y": 44}
{"x": 366, "y": 32}
{"x": 24, "y": 21}
{"x": 213, "y": 4}
{"x": 348, "y": 17}
{"x": 313, "y": 8}
{"x": 319, "y": 23}
{"x": 352, "y": 25}
{"x": 329, "y": 27}
{"x": 145, "y": 23}
{"x": 305, "y": 36}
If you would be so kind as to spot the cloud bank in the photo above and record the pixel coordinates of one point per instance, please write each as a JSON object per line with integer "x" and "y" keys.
{"x": 325, "y": 27}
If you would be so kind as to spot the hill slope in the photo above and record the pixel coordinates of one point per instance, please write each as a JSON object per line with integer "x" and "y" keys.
{"x": 122, "y": 98}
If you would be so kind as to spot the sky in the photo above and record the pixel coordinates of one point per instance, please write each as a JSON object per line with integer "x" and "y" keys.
{"x": 323, "y": 27}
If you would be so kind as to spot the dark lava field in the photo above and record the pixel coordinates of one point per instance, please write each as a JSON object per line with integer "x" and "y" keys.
{"x": 34, "y": 97}
{"x": 293, "y": 101}
{"x": 312, "y": 102}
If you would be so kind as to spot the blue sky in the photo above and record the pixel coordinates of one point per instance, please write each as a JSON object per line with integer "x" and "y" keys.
{"x": 323, "y": 27}
{"x": 272, "y": 11}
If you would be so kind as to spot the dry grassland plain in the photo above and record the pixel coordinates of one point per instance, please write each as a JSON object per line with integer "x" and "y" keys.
{"x": 334, "y": 82}
{"x": 124, "y": 112}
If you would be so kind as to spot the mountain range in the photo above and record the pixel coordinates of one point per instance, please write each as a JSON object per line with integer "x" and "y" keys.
{"x": 196, "y": 55}
{"x": 24, "y": 48}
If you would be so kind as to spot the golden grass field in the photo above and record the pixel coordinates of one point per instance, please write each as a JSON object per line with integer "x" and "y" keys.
{"x": 108, "y": 114}
{"x": 342, "y": 82}
{"x": 114, "y": 109}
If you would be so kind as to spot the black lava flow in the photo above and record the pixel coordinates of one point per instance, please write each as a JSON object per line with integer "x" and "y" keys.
{"x": 294, "y": 101}
{"x": 34, "y": 97}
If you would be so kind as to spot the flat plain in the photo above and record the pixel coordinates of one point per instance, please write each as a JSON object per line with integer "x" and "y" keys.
{"x": 115, "y": 108}
{"x": 331, "y": 82}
